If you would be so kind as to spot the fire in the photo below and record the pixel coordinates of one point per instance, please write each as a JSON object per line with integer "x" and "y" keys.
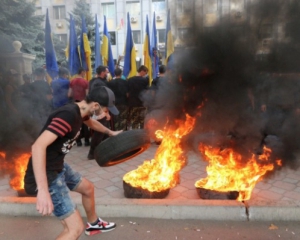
{"x": 162, "y": 172}
{"x": 15, "y": 167}
{"x": 227, "y": 171}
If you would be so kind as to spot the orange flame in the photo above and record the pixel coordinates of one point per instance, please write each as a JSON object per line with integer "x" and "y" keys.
{"x": 162, "y": 172}
{"x": 227, "y": 172}
{"x": 15, "y": 168}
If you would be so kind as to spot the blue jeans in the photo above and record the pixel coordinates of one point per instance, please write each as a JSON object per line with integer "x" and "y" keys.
{"x": 59, "y": 190}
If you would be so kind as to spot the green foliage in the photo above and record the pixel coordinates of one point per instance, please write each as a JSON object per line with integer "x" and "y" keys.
{"x": 83, "y": 9}
{"x": 18, "y": 22}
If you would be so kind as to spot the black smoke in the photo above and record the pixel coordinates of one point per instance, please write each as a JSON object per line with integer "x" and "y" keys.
{"x": 225, "y": 81}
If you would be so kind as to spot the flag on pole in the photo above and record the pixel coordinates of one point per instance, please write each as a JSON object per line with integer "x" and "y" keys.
{"x": 154, "y": 49}
{"x": 98, "y": 57}
{"x": 169, "y": 45}
{"x": 106, "y": 52}
{"x": 51, "y": 63}
{"x": 147, "y": 52}
{"x": 129, "y": 69}
{"x": 73, "y": 51}
{"x": 85, "y": 51}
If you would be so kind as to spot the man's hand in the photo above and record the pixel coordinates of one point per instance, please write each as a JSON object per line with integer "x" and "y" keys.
{"x": 114, "y": 133}
{"x": 44, "y": 203}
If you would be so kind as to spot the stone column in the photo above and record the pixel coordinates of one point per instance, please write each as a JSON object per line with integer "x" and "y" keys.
{"x": 22, "y": 62}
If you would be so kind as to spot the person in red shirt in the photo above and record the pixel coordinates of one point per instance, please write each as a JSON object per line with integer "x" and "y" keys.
{"x": 78, "y": 91}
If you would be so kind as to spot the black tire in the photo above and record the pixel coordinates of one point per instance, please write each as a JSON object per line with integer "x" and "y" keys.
{"x": 122, "y": 147}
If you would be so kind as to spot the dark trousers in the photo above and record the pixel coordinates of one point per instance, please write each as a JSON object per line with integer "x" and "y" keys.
{"x": 98, "y": 137}
{"x": 84, "y": 133}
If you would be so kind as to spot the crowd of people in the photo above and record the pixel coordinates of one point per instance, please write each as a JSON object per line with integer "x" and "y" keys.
{"x": 36, "y": 98}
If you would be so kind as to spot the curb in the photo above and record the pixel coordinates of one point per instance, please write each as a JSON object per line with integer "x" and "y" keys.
{"x": 171, "y": 209}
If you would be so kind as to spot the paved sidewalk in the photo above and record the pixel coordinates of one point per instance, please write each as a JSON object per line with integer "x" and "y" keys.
{"x": 277, "y": 198}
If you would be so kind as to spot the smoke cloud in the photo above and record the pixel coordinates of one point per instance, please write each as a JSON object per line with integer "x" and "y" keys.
{"x": 226, "y": 82}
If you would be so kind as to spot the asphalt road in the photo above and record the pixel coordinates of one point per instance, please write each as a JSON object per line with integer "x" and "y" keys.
{"x": 44, "y": 228}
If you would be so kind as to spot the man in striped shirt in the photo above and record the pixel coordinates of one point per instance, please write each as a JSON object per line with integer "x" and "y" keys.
{"x": 50, "y": 178}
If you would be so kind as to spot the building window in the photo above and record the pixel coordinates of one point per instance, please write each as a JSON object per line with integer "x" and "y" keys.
{"x": 237, "y": 9}
{"x": 112, "y": 38}
{"x": 133, "y": 7}
{"x": 59, "y": 12}
{"x": 159, "y": 6}
{"x": 184, "y": 7}
{"x": 108, "y": 9}
{"x": 136, "y": 35}
{"x": 161, "y": 35}
{"x": 63, "y": 38}
{"x": 237, "y": 5}
{"x": 184, "y": 33}
{"x": 210, "y": 6}
{"x": 38, "y": 11}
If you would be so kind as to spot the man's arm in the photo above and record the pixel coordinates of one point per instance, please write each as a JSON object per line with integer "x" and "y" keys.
{"x": 97, "y": 126}
{"x": 44, "y": 203}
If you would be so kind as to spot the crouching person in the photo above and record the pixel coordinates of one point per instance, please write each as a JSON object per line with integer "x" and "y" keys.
{"x": 50, "y": 178}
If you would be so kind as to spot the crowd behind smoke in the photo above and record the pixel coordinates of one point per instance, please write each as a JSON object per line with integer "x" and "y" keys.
{"x": 240, "y": 99}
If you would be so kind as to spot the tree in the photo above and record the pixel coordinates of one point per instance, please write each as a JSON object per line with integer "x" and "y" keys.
{"x": 18, "y": 22}
{"x": 83, "y": 9}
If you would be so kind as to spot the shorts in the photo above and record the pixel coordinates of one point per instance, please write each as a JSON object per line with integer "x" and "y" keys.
{"x": 60, "y": 192}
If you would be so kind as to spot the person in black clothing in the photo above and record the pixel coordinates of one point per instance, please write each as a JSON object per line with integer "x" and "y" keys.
{"x": 120, "y": 88}
{"x": 25, "y": 87}
{"x": 50, "y": 178}
{"x": 100, "y": 79}
{"x": 41, "y": 97}
{"x": 104, "y": 119}
{"x": 136, "y": 86}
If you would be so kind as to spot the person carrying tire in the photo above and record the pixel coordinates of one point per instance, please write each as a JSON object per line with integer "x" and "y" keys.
{"x": 104, "y": 119}
{"x": 50, "y": 178}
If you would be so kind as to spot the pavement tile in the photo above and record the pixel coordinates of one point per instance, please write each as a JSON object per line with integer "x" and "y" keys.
{"x": 180, "y": 189}
{"x": 267, "y": 194}
{"x": 102, "y": 184}
{"x": 284, "y": 185}
{"x": 111, "y": 189}
{"x": 290, "y": 180}
{"x": 292, "y": 195}
{"x": 277, "y": 190}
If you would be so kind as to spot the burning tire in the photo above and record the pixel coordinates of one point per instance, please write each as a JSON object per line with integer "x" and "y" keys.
{"x": 122, "y": 147}
{"x": 134, "y": 192}
{"x": 212, "y": 194}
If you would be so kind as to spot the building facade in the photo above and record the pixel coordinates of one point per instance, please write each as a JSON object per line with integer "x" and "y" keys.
{"x": 186, "y": 16}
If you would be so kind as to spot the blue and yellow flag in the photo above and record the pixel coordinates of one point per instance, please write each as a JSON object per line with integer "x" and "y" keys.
{"x": 169, "y": 45}
{"x": 147, "y": 51}
{"x": 98, "y": 57}
{"x": 129, "y": 69}
{"x": 85, "y": 51}
{"x": 154, "y": 49}
{"x": 51, "y": 63}
{"x": 72, "y": 50}
{"x": 106, "y": 52}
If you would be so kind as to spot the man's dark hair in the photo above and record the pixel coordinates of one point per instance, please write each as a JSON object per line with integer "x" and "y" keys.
{"x": 80, "y": 70}
{"x": 143, "y": 68}
{"x": 62, "y": 71}
{"x": 118, "y": 71}
{"x": 162, "y": 69}
{"x": 39, "y": 71}
{"x": 26, "y": 76}
{"x": 100, "y": 69}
